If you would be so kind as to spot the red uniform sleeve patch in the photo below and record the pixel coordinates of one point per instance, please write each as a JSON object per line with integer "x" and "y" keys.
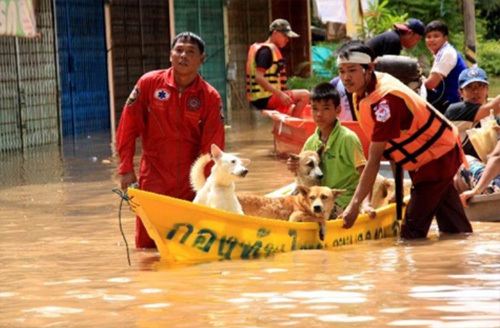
{"x": 133, "y": 96}
{"x": 382, "y": 111}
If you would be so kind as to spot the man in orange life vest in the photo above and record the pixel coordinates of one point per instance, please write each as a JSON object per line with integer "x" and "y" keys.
{"x": 405, "y": 129}
{"x": 266, "y": 73}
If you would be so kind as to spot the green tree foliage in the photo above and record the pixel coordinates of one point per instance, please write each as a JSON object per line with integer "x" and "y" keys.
{"x": 447, "y": 11}
{"x": 489, "y": 57}
{"x": 380, "y": 18}
{"x": 491, "y": 16}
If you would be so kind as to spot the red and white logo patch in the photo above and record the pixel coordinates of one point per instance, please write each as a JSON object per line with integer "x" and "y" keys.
{"x": 162, "y": 94}
{"x": 194, "y": 103}
{"x": 133, "y": 96}
{"x": 382, "y": 111}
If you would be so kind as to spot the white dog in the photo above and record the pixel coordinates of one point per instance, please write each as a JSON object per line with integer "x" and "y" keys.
{"x": 218, "y": 190}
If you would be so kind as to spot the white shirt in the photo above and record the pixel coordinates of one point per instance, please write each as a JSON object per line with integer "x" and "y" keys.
{"x": 445, "y": 60}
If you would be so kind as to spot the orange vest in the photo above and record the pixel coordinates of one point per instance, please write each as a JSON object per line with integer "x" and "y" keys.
{"x": 275, "y": 74}
{"x": 430, "y": 135}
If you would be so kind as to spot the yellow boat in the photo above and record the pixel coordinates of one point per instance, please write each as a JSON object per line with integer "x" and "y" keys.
{"x": 187, "y": 232}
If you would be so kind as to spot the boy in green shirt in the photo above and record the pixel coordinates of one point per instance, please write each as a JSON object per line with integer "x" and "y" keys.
{"x": 342, "y": 157}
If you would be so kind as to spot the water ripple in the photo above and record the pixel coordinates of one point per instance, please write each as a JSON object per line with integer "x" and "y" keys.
{"x": 53, "y": 311}
{"x": 344, "y": 318}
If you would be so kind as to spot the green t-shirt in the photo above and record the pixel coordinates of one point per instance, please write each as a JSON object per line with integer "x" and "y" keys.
{"x": 342, "y": 156}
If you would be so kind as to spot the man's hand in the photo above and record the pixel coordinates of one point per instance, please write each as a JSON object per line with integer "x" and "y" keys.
{"x": 349, "y": 215}
{"x": 367, "y": 208}
{"x": 127, "y": 179}
{"x": 285, "y": 99}
{"x": 465, "y": 196}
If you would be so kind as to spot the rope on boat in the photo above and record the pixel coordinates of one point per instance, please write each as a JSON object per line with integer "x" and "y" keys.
{"x": 123, "y": 196}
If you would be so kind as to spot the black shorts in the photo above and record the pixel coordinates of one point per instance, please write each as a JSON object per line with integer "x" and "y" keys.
{"x": 260, "y": 103}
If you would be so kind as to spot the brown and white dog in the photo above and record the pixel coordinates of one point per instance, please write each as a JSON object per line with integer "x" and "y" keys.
{"x": 383, "y": 190}
{"x": 279, "y": 208}
{"x": 309, "y": 173}
{"x": 314, "y": 204}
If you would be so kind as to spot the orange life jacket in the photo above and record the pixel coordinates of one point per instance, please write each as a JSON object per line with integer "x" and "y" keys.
{"x": 275, "y": 74}
{"x": 430, "y": 135}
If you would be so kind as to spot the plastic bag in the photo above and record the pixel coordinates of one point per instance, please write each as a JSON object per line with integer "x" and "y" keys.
{"x": 484, "y": 139}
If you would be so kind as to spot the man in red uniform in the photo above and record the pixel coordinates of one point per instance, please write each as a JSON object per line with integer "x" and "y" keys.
{"x": 404, "y": 128}
{"x": 178, "y": 116}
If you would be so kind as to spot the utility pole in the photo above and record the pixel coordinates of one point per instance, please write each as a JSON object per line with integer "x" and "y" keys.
{"x": 470, "y": 32}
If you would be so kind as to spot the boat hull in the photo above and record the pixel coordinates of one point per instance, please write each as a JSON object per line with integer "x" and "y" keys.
{"x": 484, "y": 208}
{"x": 187, "y": 232}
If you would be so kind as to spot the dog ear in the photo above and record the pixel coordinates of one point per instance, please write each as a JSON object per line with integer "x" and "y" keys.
{"x": 338, "y": 192}
{"x": 303, "y": 190}
{"x": 216, "y": 151}
{"x": 294, "y": 157}
{"x": 245, "y": 161}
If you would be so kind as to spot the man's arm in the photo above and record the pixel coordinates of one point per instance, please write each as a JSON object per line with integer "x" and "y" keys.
{"x": 441, "y": 67}
{"x": 433, "y": 80}
{"x": 484, "y": 110}
{"x": 129, "y": 129}
{"x": 490, "y": 171}
{"x": 365, "y": 184}
{"x": 213, "y": 126}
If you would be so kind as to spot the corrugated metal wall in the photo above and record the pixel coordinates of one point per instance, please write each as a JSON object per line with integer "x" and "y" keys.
{"x": 10, "y": 109}
{"x": 248, "y": 22}
{"x": 205, "y": 18}
{"x": 82, "y": 65}
{"x": 29, "y": 114}
{"x": 141, "y": 43}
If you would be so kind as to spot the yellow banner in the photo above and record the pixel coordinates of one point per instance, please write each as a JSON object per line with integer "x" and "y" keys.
{"x": 17, "y": 18}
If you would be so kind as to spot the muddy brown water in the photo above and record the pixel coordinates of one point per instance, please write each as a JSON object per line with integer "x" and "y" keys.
{"x": 63, "y": 261}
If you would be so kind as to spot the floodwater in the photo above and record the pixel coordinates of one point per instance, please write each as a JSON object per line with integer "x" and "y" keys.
{"x": 63, "y": 262}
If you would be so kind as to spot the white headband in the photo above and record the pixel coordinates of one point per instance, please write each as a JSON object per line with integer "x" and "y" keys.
{"x": 355, "y": 57}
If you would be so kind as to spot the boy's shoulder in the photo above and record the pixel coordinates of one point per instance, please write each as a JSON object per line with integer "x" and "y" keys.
{"x": 312, "y": 141}
{"x": 347, "y": 133}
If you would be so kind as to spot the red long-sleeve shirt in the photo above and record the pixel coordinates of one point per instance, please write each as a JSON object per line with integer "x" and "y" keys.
{"x": 175, "y": 128}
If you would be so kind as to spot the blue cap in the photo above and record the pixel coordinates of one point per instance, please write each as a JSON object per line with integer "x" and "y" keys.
{"x": 412, "y": 24}
{"x": 473, "y": 74}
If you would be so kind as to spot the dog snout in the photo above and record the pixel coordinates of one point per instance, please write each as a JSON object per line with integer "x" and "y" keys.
{"x": 244, "y": 173}
{"x": 318, "y": 209}
{"x": 317, "y": 173}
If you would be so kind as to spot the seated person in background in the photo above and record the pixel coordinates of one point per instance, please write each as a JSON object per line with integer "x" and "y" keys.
{"x": 266, "y": 73}
{"x": 442, "y": 83}
{"x": 405, "y": 35}
{"x": 342, "y": 157}
{"x": 485, "y": 180}
{"x": 466, "y": 114}
{"x": 346, "y": 113}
